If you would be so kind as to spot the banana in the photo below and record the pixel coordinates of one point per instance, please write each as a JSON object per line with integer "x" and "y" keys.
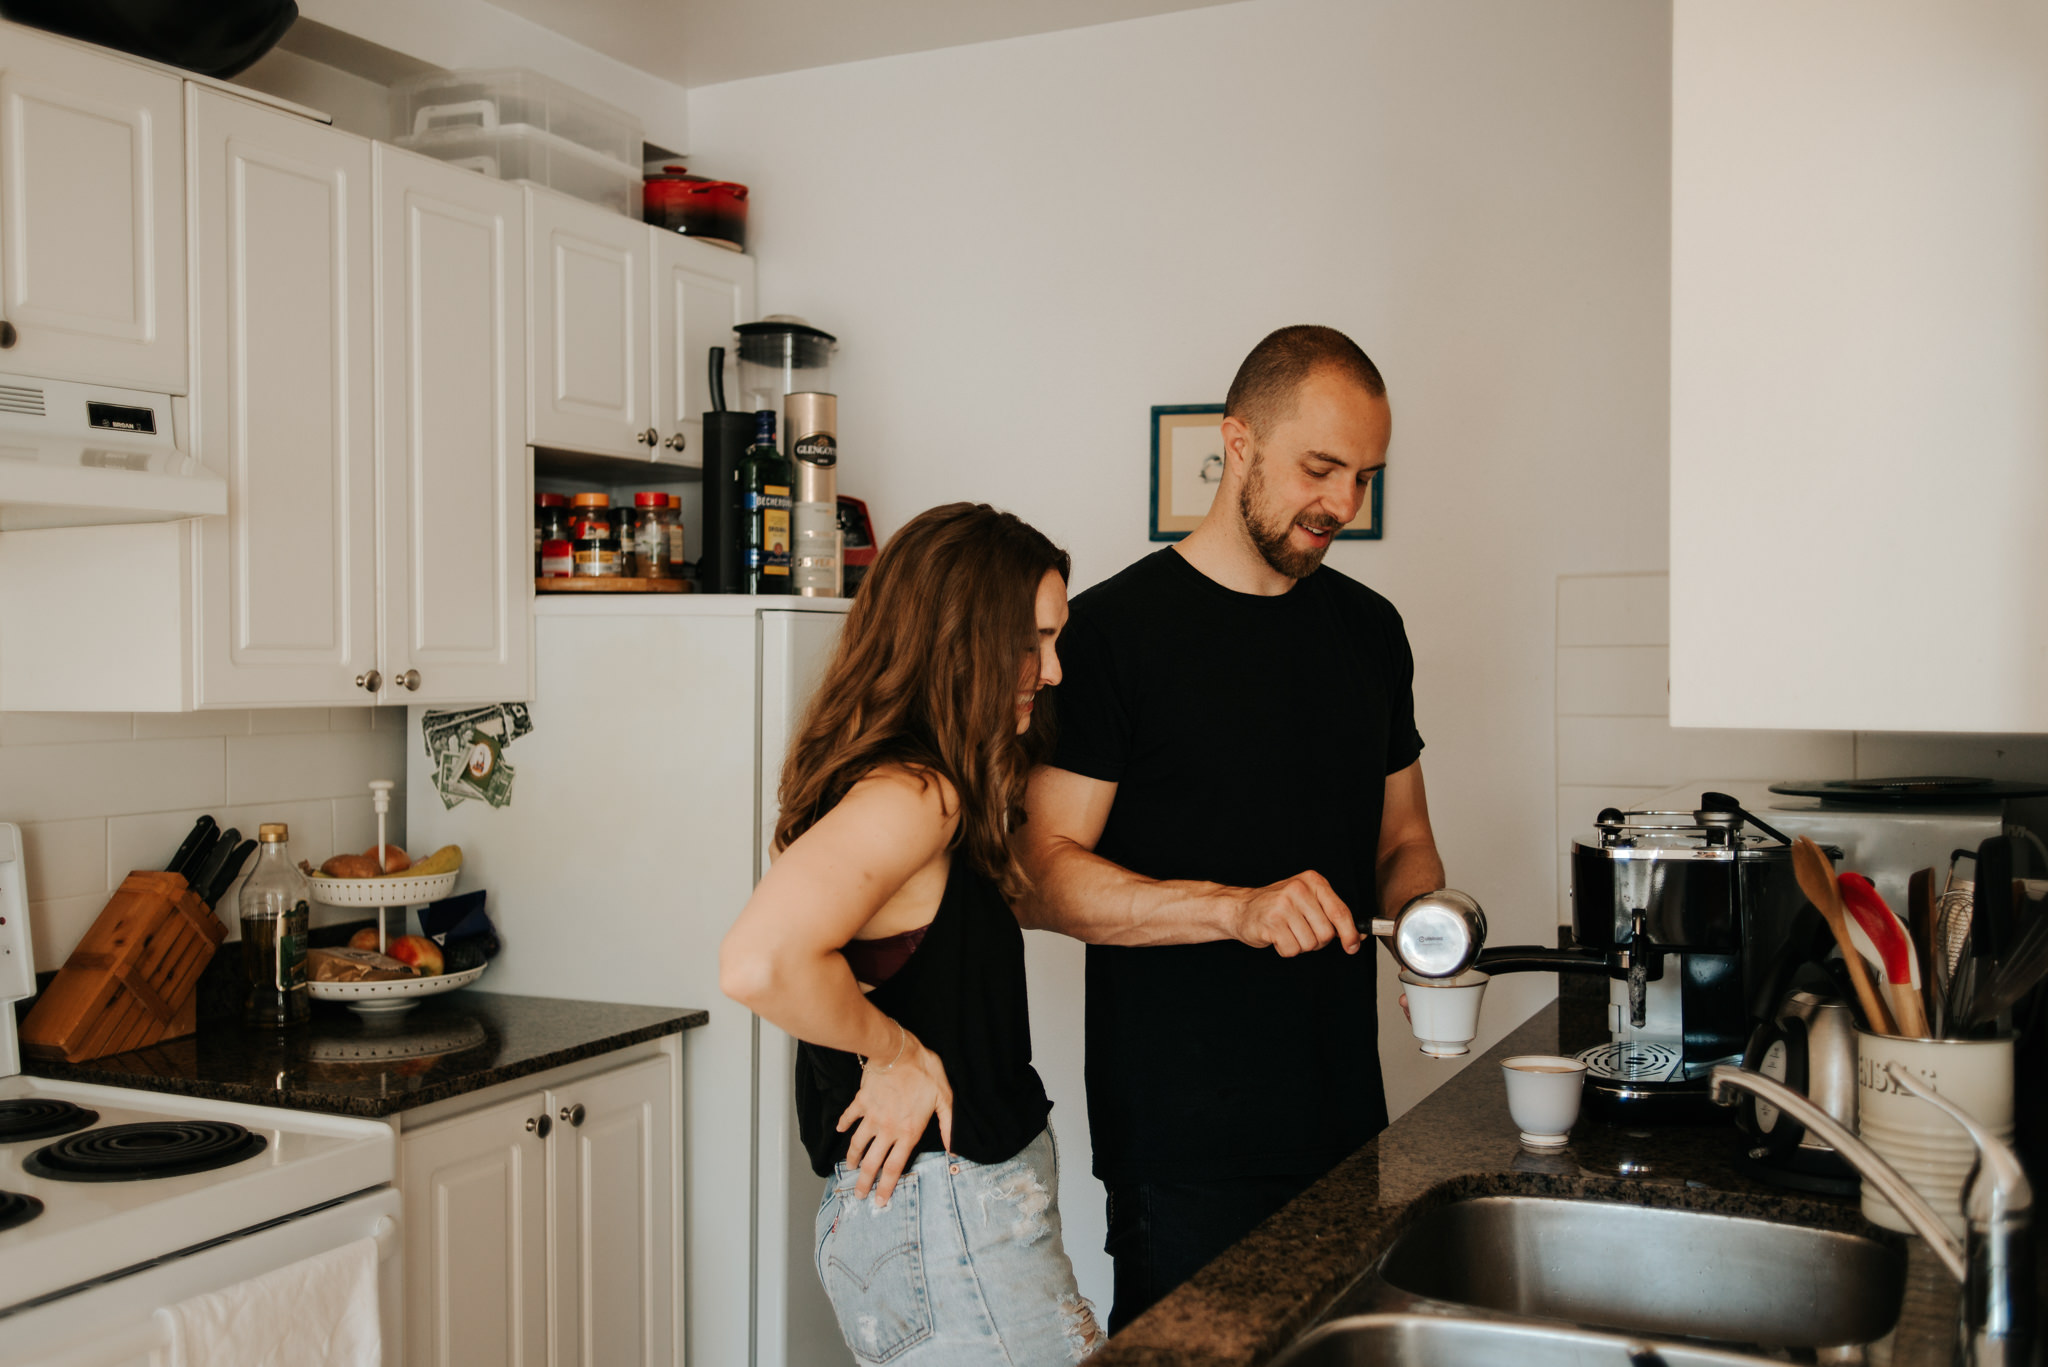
{"x": 447, "y": 859}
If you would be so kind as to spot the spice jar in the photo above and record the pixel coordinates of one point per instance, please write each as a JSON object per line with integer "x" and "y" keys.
{"x": 550, "y": 523}
{"x": 594, "y": 536}
{"x": 674, "y": 522}
{"x": 650, "y": 536}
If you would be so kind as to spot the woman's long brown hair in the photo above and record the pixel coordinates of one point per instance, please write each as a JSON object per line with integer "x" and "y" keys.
{"x": 926, "y": 676}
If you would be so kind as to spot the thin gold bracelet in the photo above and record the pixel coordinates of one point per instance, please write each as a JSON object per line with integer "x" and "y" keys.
{"x": 902, "y": 1043}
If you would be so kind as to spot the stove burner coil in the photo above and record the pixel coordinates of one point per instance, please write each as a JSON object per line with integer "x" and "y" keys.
{"x": 132, "y": 1153}
{"x": 42, "y": 1118}
{"x": 16, "y": 1209}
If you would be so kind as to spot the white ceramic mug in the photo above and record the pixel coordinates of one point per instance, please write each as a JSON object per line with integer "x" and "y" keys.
{"x": 1543, "y": 1096}
{"x": 1930, "y": 1151}
{"x": 1444, "y": 1012}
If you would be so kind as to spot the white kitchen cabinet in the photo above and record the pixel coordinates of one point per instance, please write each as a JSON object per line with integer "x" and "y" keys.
{"x": 701, "y": 293}
{"x": 92, "y": 216}
{"x": 285, "y": 411}
{"x": 457, "y": 500}
{"x": 542, "y": 1219}
{"x": 620, "y": 322}
{"x": 588, "y": 331}
{"x": 476, "y": 1238}
{"x": 361, "y": 377}
{"x": 1859, "y": 327}
{"x": 613, "y": 1180}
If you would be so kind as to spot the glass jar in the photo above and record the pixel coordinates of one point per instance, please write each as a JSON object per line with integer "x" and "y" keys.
{"x": 650, "y": 536}
{"x": 674, "y": 522}
{"x": 550, "y": 523}
{"x": 276, "y": 918}
{"x": 594, "y": 536}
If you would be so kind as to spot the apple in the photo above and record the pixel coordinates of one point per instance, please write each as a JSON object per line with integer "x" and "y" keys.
{"x": 417, "y": 950}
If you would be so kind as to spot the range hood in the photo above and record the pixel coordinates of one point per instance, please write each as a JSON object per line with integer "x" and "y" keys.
{"x": 80, "y": 455}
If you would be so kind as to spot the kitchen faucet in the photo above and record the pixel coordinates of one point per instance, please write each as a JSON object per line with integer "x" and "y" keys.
{"x": 1994, "y": 1268}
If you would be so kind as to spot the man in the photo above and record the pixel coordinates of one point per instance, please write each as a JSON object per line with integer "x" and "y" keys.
{"x": 1236, "y": 785}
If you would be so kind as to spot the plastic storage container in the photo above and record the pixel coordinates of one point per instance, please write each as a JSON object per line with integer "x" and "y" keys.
{"x": 520, "y": 125}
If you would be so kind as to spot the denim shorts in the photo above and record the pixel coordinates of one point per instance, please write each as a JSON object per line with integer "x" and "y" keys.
{"x": 963, "y": 1267}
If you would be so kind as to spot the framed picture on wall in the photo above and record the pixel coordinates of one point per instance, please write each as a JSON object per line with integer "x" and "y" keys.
{"x": 1187, "y": 468}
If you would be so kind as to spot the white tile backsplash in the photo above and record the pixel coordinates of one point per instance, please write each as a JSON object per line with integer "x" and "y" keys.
{"x": 291, "y": 721}
{"x": 1613, "y": 681}
{"x": 179, "y": 724}
{"x": 1651, "y": 752}
{"x": 65, "y": 858}
{"x": 64, "y": 728}
{"x": 98, "y": 794}
{"x": 1613, "y": 610}
{"x": 273, "y": 768}
{"x": 108, "y": 778}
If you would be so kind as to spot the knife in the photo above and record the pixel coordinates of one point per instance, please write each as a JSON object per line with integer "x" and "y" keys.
{"x": 210, "y": 867}
{"x": 202, "y": 830}
{"x": 229, "y": 872}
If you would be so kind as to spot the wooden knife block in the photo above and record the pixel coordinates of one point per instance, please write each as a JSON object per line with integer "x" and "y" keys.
{"x": 133, "y": 980}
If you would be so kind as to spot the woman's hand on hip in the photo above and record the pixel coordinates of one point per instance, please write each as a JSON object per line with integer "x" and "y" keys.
{"x": 889, "y": 1115}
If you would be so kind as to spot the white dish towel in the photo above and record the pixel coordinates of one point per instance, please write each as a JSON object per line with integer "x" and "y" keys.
{"x": 321, "y": 1312}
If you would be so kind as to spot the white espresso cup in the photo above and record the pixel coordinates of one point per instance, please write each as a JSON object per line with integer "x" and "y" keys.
{"x": 1444, "y": 1012}
{"x": 1543, "y": 1096}
{"x": 1931, "y": 1151}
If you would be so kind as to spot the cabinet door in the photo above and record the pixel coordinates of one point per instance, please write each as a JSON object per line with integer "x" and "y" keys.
{"x": 615, "y": 1231}
{"x": 451, "y": 293}
{"x": 92, "y": 216}
{"x": 587, "y": 328}
{"x": 476, "y": 1212}
{"x": 285, "y": 405}
{"x": 700, "y": 292}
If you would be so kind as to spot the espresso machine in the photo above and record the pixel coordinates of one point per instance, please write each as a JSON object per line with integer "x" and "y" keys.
{"x": 1695, "y": 919}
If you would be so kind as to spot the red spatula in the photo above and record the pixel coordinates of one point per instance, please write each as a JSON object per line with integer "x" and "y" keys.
{"x": 1894, "y": 946}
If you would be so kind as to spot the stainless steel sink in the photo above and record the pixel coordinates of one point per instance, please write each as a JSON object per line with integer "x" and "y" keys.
{"x": 1684, "y": 1273}
{"x": 1411, "y": 1340}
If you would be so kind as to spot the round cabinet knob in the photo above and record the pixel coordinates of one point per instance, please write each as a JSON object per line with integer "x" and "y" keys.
{"x": 677, "y": 442}
{"x": 8, "y": 336}
{"x": 650, "y": 437}
{"x": 411, "y": 680}
{"x": 369, "y": 681}
{"x": 540, "y": 1125}
{"x": 573, "y": 1114}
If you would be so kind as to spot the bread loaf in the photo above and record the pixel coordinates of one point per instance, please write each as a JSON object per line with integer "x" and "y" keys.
{"x": 351, "y": 866}
{"x": 354, "y": 966}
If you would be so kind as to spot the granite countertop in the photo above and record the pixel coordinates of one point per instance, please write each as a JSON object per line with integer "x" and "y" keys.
{"x": 1294, "y": 1270}
{"x": 342, "y": 1064}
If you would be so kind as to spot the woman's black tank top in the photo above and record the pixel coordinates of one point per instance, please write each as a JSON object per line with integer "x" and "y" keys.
{"x": 962, "y": 993}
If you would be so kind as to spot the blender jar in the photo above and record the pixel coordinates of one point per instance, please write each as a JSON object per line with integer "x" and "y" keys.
{"x": 781, "y": 355}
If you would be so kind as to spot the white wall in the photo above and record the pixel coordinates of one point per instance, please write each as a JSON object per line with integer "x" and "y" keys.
{"x": 1026, "y": 244}
{"x": 100, "y": 793}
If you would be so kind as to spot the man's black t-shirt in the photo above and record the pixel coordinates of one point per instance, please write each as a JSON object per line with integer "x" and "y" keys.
{"x": 1250, "y": 739}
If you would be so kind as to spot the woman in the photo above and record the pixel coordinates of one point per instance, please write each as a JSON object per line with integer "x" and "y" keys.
{"x": 882, "y": 939}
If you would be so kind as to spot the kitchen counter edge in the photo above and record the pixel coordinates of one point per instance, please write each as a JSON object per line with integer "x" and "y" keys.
{"x": 525, "y": 1035}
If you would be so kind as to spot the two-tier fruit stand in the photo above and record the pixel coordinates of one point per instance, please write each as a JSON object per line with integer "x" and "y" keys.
{"x": 403, "y": 892}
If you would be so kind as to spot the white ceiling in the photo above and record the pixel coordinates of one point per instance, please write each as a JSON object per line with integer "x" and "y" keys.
{"x": 703, "y": 42}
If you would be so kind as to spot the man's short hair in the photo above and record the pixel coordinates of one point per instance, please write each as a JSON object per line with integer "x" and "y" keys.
{"x": 1263, "y": 392}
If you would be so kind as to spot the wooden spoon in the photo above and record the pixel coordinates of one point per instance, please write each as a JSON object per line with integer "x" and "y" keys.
{"x": 1816, "y": 874}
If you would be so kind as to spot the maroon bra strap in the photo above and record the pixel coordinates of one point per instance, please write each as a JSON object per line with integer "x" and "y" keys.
{"x": 876, "y": 961}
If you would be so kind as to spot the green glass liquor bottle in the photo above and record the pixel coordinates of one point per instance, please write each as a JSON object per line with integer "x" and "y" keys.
{"x": 765, "y": 508}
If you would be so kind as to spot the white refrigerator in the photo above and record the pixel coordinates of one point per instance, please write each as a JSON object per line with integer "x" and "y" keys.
{"x": 641, "y": 807}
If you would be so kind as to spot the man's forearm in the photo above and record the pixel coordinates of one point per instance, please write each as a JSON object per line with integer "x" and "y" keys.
{"x": 1079, "y": 893}
{"x": 1406, "y": 872}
